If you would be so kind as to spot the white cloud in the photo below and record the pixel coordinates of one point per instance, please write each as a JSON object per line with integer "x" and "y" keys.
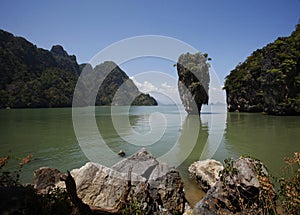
{"x": 148, "y": 87}
{"x": 165, "y": 93}
{"x": 145, "y": 87}
{"x": 168, "y": 88}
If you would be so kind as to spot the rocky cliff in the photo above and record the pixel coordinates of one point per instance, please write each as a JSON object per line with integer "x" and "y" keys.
{"x": 116, "y": 88}
{"x": 269, "y": 79}
{"x": 193, "y": 81}
{"x": 34, "y": 77}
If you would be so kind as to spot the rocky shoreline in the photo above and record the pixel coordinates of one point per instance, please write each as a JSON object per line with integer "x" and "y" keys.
{"x": 241, "y": 186}
{"x": 156, "y": 188}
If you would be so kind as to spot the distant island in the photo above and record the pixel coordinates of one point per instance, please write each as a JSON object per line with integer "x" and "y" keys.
{"x": 269, "y": 80}
{"x": 32, "y": 77}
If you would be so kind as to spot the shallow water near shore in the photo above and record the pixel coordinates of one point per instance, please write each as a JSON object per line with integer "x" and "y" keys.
{"x": 48, "y": 135}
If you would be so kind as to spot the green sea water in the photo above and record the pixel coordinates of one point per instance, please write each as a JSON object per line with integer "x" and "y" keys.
{"x": 166, "y": 131}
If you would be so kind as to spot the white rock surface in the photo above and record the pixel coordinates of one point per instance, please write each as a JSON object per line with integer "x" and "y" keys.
{"x": 101, "y": 186}
{"x": 206, "y": 172}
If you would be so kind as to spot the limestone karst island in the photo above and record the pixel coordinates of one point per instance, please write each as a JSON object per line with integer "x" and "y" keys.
{"x": 150, "y": 107}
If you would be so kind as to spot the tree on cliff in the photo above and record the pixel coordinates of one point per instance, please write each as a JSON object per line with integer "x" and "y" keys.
{"x": 193, "y": 82}
{"x": 33, "y": 77}
{"x": 269, "y": 79}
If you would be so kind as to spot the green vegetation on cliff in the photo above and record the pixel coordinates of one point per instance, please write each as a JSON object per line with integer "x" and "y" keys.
{"x": 33, "y": 77}
{"x": 116, "y": 87}
{"x": 269, "y": 79}
{"x": 193, "y": 81}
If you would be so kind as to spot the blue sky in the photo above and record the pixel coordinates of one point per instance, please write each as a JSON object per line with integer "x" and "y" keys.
{"x": 228, "y": 31}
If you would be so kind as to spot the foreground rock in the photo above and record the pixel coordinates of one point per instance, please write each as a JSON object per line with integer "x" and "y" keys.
{"x": 101, "y": 186}
{"x": 243, "y": 188}
{"x": 165, "y": 186}
{"x": 156, "y": 188}
{"x": 206, "y": 172}
{"x": 46, "y": 179}
{"x": 193, "y": 81}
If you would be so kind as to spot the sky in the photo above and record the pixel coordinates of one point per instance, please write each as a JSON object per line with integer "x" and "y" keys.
{"x": 228, "y": 31}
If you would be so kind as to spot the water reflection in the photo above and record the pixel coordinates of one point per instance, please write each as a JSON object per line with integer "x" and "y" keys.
{"x": 210, "y": 130}
{"x": 268, "y": 138}
{"x": 192, "y": 126}
{"x": 193, "y": 137}
{"x": 112, "y": 138}
{"x": 129, "y": 129}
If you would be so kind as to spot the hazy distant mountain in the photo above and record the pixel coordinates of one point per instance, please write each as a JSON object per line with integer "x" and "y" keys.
{"x": 34, "y": 77}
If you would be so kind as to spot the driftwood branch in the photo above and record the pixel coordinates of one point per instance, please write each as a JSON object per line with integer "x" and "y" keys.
{"x": 82, "y": 208}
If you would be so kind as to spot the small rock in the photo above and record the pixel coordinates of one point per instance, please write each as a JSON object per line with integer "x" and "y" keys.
{"x": 121, "y": 153}
{"x": 206, "y": 172}
{"x": 46, "y": 178}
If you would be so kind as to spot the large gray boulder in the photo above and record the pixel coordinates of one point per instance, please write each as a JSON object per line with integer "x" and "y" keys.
{"x": 206, "y": 172}
{"x": 243, "y": 188}
{"x": 156, "y": 187}
{"x": 101, "y": 186}
{"x": 165, "y": 186}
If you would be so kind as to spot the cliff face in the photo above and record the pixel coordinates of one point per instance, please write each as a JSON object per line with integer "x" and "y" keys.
{"x": 34, "y": 77}
{"x": 116, "y": 88}
{"x": 193, "y": 81}
{"x": 269, "y": 79}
